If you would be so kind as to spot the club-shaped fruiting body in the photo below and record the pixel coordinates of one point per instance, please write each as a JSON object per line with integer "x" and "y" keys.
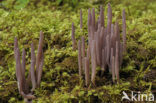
{"x": 73, "y": 37}
{"x": 34, "y": 77}
{"x": 105, "y": 49}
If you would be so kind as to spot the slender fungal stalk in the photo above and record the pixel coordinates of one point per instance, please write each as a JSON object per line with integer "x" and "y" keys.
{"x": 87, "y": 70}
{"x": 32, "y": 69}
{"x": 83, "y": 52}
{"x": 102, "y": 16}
{"x": 39, "y": 52}
{"x": 73, "y": 37}
{"x": 23, "y": 84}
{"x": 93, "y": 56}
{"x": 117, "y": 61}
{"x": 79, "y": 58}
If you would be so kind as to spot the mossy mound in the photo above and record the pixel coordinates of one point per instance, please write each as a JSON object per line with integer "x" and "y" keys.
{"x": 60, "y": 80}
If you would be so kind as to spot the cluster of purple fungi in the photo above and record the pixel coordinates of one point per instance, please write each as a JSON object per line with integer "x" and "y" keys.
{"x": 34, "y": 76}
{"x": 104, "y": 48}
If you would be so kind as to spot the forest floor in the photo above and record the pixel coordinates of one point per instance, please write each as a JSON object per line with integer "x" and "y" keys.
{"x": 60, "y": 80}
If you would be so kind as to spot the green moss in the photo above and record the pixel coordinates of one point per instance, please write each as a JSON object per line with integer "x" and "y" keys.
{"x": 60, "y": 81}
